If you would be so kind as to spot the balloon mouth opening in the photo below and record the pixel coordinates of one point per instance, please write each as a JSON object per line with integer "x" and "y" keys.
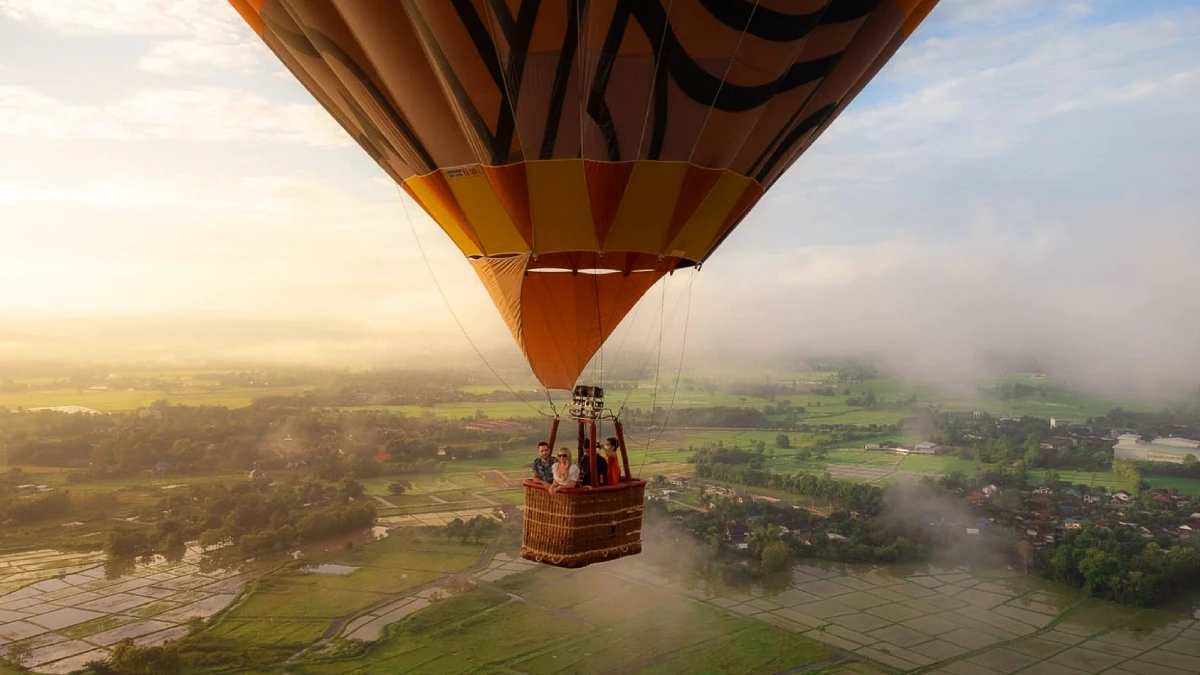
{"x": 593, "y": 262}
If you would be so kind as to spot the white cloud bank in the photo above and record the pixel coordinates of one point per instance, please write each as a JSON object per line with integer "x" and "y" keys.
{"x": 207, "y": 34}
{"x": 215, "y": 114}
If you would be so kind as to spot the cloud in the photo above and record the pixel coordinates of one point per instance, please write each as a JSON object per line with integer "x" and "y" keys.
{"x": 1113, "y": 310}
{"x": 957, "y": 12}
{"x": 978, "y": 94}
{"x": 1027, "y": 191}
{"x": 24, "y": 112}
{"x": 126, "y": 17}
{"x": 178, "y": 57}
{"x": 212, "y": 114}
{"x": 209, "y": 35}
{"x": 1175, "y": 84}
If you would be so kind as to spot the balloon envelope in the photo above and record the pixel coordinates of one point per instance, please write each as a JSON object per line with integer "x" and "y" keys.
{"x": 578, "y": 150}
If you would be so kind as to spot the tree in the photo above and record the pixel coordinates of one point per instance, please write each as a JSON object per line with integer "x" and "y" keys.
{"x": 762, "y": 535}
{"x": 457, "y": 528}
{"x": 395, "y": 489}
{"x": 480, "y": 526}
{"x": 1143, "y": 486}
{"x": 783, "y": 441}
{"x": 350, "y": 489}
{"x": 1033, "y": 456}
{"x": 776, "y": 557}
{"x": 1052, "y": 479}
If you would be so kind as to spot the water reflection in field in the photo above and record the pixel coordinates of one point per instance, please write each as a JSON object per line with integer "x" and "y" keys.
{"x": 70, "y": 608}
{"x": 950, "y": 620}
{"x": 83, "y": 605}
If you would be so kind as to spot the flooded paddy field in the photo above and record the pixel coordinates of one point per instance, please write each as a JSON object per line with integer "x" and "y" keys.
{"x": 70, "y": 608}
{"x": 950, "y": 622}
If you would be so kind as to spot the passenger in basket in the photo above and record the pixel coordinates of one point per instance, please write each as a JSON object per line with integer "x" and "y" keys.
{"x": 585, "y": 467}
{"x": 610, "y": 457}
{"x": 566, "y": 475}
{"x": 543, "y": 466}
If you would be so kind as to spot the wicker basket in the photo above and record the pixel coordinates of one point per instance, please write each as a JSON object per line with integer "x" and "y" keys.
{"x": 581, "y": 526}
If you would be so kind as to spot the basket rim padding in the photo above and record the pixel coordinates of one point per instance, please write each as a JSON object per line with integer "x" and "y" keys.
{"x": 623, "y": 485}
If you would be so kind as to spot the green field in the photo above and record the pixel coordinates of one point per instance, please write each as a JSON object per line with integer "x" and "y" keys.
{"x": 1110, "y": 480}
{"x": 576, "y": 622}
{"x": 126, "y": 399}
{"x": 291, "y": 609}
{"x": 193, "y": 388}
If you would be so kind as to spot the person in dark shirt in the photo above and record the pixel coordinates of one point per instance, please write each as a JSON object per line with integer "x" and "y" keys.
{"x": 543, "y": 466}
{"x": 585, "y": 467}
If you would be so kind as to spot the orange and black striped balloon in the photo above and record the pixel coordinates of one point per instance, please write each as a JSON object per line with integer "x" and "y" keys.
{"x": 578, "y": 150}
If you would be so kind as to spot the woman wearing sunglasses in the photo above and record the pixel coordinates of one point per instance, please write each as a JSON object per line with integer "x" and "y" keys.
{"x": 566, "y": 474}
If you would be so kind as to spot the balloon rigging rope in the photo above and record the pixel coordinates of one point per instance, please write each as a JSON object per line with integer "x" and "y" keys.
{"x": 678, "y": 372}
{"x": 644, "y": 356}
{"x": 657, "y": 368}
{"x": 446, "y": 300}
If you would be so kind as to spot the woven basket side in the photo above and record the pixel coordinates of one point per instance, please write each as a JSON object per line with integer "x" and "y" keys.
{"x": 579, "y": 527}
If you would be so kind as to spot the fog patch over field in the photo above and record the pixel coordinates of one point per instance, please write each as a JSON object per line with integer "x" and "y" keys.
{"x": 910, "y": 502}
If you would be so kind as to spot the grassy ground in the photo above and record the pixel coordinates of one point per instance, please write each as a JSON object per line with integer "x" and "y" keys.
{"x": 191, "y": 388}
{"x": 1110, "y": 480}
{"x": 577, "y": 622}
{"x": 290, "y": 610}
{"x": 113, "y": 400}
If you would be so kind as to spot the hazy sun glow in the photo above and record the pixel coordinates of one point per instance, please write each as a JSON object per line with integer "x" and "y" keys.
{"x": 1020, "y": 177}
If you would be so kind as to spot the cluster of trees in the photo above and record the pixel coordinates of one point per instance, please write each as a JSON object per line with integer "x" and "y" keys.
{"x": 711, "y": 463}
{"x": 50, "y": 438}
{"x": 990, "y": 440}
{"x": 1181, "y": 421}
{"x": 1189, "y": 469}
{"x": 477, "y": 528}
{"x": 183, "y": 440}
{"x": 717, "y": 416}
{"x": 784, "y": 408}
{"x": 1120, "y": 565}
{"x": 256, "y": 519}
{"x": 779, "y": 534}
{"x": 20, "y": 507}
{"x": 878, "y": 539}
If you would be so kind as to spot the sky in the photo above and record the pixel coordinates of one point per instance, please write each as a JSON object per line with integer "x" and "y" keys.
{"x": 1019, "y": 179}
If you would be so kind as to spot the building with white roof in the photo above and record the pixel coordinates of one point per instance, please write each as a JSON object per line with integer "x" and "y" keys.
{"x": 1131, "y": 448}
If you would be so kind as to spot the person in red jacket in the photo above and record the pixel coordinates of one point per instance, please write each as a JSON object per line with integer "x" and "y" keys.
{"x": 614, "y": 465}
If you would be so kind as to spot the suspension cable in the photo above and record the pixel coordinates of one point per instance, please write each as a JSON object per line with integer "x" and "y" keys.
{"x": 642, "y": 358}
{"x": 679, "y": 368}
{"x": 413, "y": 228}
{"x": 657, "y": 368}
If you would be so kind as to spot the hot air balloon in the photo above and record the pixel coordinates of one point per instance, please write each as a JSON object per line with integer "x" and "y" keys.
{"x": 576, "y": 151}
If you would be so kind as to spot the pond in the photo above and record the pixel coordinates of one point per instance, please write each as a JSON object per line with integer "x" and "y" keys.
{"x": 328, "y": 568}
